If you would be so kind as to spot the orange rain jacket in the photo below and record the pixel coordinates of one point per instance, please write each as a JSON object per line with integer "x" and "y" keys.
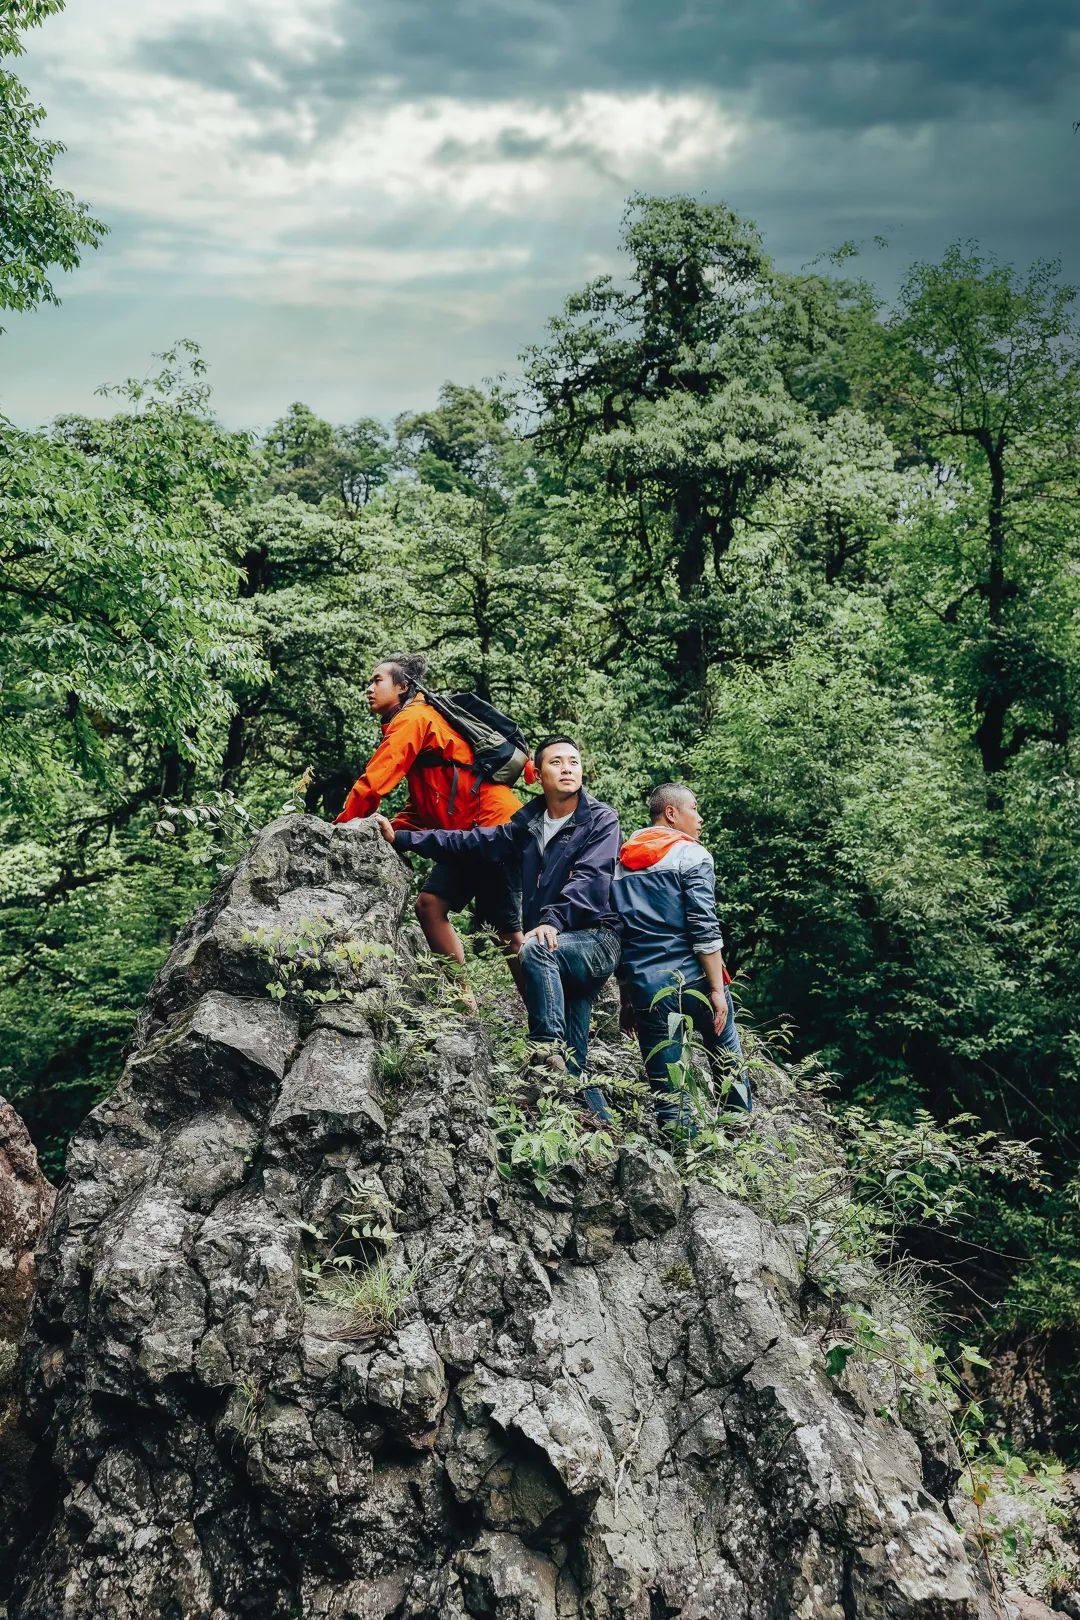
{"x": 444, "y": 790}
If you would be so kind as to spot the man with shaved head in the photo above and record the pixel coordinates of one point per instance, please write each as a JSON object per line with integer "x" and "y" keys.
{"x": 664, "y": 891}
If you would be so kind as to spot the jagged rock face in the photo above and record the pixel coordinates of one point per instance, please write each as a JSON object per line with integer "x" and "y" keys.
{"x": 26, "y": 1203}
{"x": 604, "y": 1406}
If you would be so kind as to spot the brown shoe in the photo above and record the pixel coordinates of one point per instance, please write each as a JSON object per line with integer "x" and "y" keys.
{"x": 548, "y": 1057}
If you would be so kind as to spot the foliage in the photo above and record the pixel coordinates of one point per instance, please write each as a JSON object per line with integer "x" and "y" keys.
{"x": 853, "y": 1186}
{"x": 353, "y": 1273}
{"x": 989, "y": 1470}
{"x": 244, "y": 1410}
{"x": 540, "y": 1140}
{"x": 371, "y": 1299}
{"x": 40, "y": 224}
{"x": 119, "y": 624}
{"x": 704, "y": 1084}
{"x": 306, "y": 457}
{"x": 977, "y": 374}
{"x": 671, "y": 389}
{"x": 316, "y": 962}
{"x": 76, "y": 962}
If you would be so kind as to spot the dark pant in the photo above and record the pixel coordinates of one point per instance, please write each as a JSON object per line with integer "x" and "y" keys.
{"x": 560, "y": 987}
{"x": 494, "y": 892}
{"x": 657, "y": 1050}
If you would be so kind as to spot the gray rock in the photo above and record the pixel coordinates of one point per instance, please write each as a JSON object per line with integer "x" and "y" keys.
{"x": 649, "y": 1181}
{"x": 26, "y": 1205}
{"x": 610, "y": 1406}
{"x": 328, "y": 1097}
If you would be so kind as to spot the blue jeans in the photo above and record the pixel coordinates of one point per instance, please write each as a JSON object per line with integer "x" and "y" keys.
{"x": 652, "y": 1028}
{"x": 560, "y": 987}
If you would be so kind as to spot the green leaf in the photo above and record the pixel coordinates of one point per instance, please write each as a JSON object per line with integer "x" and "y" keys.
{"x": 837, "y": 1358}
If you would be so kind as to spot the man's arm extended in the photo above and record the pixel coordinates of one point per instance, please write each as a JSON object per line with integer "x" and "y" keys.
{"x": 386, "y": 767}
{"x": 496, "y": 844}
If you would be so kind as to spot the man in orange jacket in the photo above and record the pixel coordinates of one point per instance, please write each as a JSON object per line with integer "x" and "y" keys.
{"x": 421, "y": 748}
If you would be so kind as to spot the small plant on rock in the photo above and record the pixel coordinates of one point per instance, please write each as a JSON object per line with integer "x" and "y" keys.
{"x": 315, "y": 963}
{"x": 391, "y": 1063}
{"x": 371, "y": 1297}
{"x": 540, "y": 1138}
{"x": 245, "y": 1407}
{"x": 352, "y": 1273}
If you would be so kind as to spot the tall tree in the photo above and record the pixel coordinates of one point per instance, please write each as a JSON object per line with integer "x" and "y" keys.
{"x": 977, "y": 373}
{"x": 462, "y": 444}
{"x": 308, "y": 457}
{"x": 118, "y": 620}
{"x": 673, "y": 385}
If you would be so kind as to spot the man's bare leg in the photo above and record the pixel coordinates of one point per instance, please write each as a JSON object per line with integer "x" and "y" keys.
{"x": 433, "y": 915}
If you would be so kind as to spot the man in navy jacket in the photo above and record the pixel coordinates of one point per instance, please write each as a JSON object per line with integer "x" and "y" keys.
{"x": 565, "y": 845}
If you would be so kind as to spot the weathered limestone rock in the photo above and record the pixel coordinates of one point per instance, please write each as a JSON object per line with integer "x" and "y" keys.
{"x": 608, "y": 1407}
{"x": 26, "y": 1203}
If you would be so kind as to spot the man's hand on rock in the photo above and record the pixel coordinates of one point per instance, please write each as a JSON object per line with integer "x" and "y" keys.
{"x": 544, "y": 934}
{"x": 383, "y": 824}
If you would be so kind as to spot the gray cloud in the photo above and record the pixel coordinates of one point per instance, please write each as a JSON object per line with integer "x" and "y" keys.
{"x": 927, "y": 125}
{"x": 832, "y": 63}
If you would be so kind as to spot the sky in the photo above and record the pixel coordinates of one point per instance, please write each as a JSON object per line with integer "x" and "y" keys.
{"x": 348, "y": 202}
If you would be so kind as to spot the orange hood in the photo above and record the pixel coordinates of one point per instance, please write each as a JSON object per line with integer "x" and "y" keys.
{"x": 651, "y": 844}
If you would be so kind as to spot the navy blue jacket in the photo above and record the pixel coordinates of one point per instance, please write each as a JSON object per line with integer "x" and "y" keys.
{"x": 567, "y": 886}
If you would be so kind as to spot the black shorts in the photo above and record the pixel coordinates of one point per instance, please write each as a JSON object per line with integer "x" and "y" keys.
{"x": 493, "y": 891}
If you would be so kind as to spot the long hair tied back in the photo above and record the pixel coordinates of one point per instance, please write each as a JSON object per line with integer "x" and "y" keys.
{"x": 406, "y": 669}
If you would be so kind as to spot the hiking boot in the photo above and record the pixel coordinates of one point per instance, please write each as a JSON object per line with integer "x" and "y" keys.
{"x": 548, "y": 1057}
{"x": 592, "y": 1098}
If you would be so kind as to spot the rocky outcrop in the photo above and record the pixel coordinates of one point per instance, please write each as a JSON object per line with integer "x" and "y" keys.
{"x": 608, "y": 1403}
{"x": 1040, "y": 1526}
{"x": 26, "y": 1202}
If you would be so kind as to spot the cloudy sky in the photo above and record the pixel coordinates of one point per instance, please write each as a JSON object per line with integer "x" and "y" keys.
{"x": 349, "y": 201}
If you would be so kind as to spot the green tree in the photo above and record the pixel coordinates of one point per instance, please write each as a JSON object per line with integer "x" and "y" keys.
{"x": 462, "y": 445}
{"x": 41, "y": 226}
{"x": 328, "y": 596}
{"x": 296, "y": 448}
{"x": 361, "y": 461}
{"x": 307, "y": 457}
{"x": 848, "y": 829}
{"x": 672, "y": 387}
{"x": 977, "y": 373}
{"x": 119, "y": 625}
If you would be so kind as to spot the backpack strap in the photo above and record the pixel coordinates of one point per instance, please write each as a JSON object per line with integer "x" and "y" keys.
{"x": 428, "y": 757}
